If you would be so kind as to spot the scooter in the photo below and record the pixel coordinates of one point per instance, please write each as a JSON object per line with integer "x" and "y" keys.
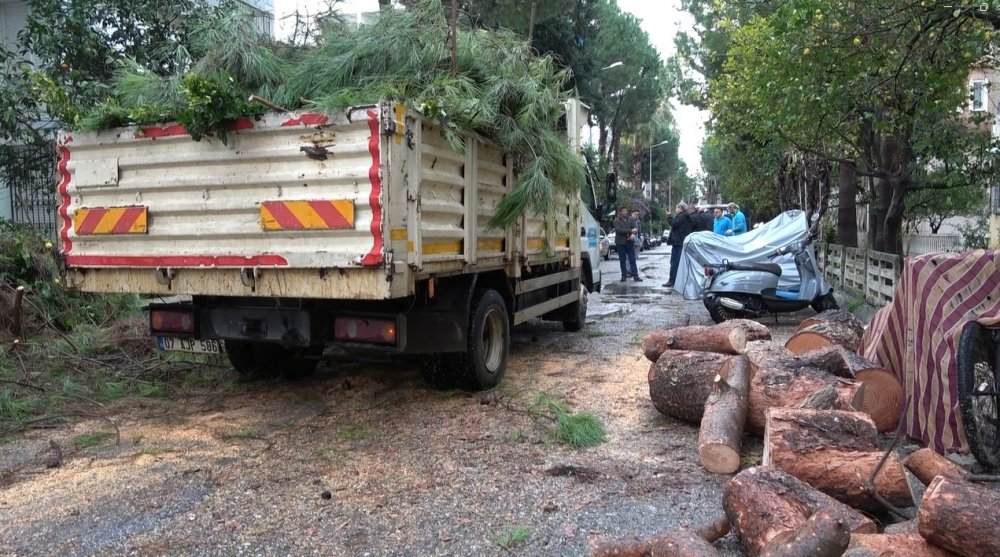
{"x": 742, "y": 290}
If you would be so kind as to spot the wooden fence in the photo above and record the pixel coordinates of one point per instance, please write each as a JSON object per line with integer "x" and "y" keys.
{"x": 868, "y": 273}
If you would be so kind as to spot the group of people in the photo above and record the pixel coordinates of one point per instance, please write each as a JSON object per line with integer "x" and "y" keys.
{"x": 688, "y": 219}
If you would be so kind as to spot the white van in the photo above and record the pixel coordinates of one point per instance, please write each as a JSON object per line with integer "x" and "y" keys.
{"x": 590, "y": 270}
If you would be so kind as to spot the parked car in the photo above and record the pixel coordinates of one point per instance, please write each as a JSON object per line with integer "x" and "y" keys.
{"x": 603, "y": 244}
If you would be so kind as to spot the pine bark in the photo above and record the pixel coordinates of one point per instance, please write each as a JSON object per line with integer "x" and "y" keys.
{"x": 825, "y": 534}
{"x": 679, "y": 542}
{"x": 926, "y": 464}
{"x": 724, "y": 338}
{"x": 902, "y": 545}
{"x": 825, "y": 333}
{"x": 681, "y": 381}
{"x": 791, "y": 381}
{"x": 764, "y": 502}
{"x": 960, "y": 516}
{"x": 720, "y": 437}
{"x": 834, "y": 452}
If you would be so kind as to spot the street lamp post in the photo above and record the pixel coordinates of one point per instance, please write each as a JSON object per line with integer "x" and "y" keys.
{"x": 664, "y": 142}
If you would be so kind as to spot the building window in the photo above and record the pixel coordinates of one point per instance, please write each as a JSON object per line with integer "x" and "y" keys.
{"x": 979, "y": 97}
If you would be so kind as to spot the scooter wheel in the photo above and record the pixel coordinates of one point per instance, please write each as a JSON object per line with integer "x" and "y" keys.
{"x": 825, "y": 302}
{"x": 718, "y": 311}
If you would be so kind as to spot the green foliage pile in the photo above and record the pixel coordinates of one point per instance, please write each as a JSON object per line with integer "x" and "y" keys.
{"x": 75, "y": 351}
{"x": 500, "y": 90}
{"x": 576, "y": 429}
{"x": 26, "y": 260}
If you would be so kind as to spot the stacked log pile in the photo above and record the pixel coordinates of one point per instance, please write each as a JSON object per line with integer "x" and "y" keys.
{"x": 819, "y": 407}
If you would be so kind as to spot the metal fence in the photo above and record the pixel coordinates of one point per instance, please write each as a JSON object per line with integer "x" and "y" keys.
{"x": 30, "y": 173}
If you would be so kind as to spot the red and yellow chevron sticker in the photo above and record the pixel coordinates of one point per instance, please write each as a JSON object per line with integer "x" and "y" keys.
{"x": 110, "y": 220}
{"x": 314, "y": 214}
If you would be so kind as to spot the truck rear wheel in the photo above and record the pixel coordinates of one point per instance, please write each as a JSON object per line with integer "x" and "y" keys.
{"x": 261, "y": 359}
{"x": 483, "y": 363}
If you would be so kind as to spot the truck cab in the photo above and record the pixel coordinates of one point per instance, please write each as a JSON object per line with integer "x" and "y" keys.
{"x": 590, "y": 231}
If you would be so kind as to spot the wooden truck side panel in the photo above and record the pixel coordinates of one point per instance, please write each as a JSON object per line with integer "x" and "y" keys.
{"x": 357, "y": 206}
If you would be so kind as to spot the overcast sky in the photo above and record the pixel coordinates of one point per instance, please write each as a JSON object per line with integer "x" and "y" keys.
{"x": 660, "y": 20}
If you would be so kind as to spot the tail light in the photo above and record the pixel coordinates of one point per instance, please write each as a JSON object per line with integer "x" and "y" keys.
{"x": 172, "y": 321}
{"x": 709, "y": 271}
{"x": 361, "y": 329}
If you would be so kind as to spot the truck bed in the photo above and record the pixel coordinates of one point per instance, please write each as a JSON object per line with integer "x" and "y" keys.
{"x": 355, "y": 205}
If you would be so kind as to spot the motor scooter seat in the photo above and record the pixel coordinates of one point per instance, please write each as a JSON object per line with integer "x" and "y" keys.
{"x": 772, "y": 268}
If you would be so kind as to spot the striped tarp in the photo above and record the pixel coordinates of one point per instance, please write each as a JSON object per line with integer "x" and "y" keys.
{"x": 917, "y": 337}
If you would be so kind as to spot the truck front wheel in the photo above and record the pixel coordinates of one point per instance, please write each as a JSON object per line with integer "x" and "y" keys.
{"x": 580, "y": 307}
{"x": 483, "y": 363}
{"x": 260, "y": 359}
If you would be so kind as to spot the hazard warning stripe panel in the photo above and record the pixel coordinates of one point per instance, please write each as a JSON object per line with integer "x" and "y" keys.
{"x": 313, "y": 214}
{"x": 110, "y": 220}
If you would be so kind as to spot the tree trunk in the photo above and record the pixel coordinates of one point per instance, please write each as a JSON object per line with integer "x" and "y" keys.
{"x": 847, "y": 208}
{"x": 671, "y": 543}
{"x": 721, "y": 434}
{"x": 723, "y": 338}
{"x": 680, "y": 382}
{"x": 763, "y": 503}
{"x": 789, "y": 382}
{"x": 926, "y": 464}
{"x": 884, "y": 398}
{"x": 834, "y": 452}
{"x": 825, "y": 534}
{"x": 819, "y": 335}
{"x": 904, "y": 545}
{"x": 960, "y": 516}
{"x": 882, "y": 201}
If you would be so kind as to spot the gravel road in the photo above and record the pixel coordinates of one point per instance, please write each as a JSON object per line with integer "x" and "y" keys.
{"x": 363, "y": 459}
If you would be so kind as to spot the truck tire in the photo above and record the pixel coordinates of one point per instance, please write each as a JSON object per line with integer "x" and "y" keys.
{"x": 259, "y": 359}
{"x": 483, "y": 363}
{"x": 580, "y": 319}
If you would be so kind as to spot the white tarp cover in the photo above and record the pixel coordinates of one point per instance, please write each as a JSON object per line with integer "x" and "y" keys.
{"x": 754, "y": 246}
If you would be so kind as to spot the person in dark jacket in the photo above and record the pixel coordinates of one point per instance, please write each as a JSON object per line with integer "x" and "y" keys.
{"x": 706, "y": 222}
{"x": 680, "y": 226}
{"x": 625, "y": 234}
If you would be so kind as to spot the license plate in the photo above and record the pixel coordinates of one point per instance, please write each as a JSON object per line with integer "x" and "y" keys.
{"x": 173, "y": 344}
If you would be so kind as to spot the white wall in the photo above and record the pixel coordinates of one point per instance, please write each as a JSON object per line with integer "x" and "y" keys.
{"x": 13, "y": 18}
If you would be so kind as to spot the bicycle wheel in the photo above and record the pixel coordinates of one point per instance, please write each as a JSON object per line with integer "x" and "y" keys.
{"x": 978, "y": 397}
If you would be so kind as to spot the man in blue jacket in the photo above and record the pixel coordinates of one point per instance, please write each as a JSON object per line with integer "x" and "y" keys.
{"x": 723, "y": 224}
{"x": 739, "y": 219}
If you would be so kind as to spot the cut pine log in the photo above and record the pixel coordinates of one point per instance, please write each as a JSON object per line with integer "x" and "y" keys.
{"x": 681, "y": 380}
{"x": 883, "y": 399}
{"x": 721, "y": 434}
{"x": 759, "y": 353}
{"x": 901, "y": 545}
{"x": 840, "y": 316}
{"x": 905, "y": 527}
{"x": 679, "y": 542}
{"x": 790, "y": 381}
{"x": 834, "y": 452}
{"x": 960, "y": 516}
{"x": 826, "y": 333}
{"x": 755, "y": 331}
{"x": 825, "y": 534}
{"x": 724, "y": 338}
{"x": 927, "y": 464}
{"x": 764, "y": 502}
